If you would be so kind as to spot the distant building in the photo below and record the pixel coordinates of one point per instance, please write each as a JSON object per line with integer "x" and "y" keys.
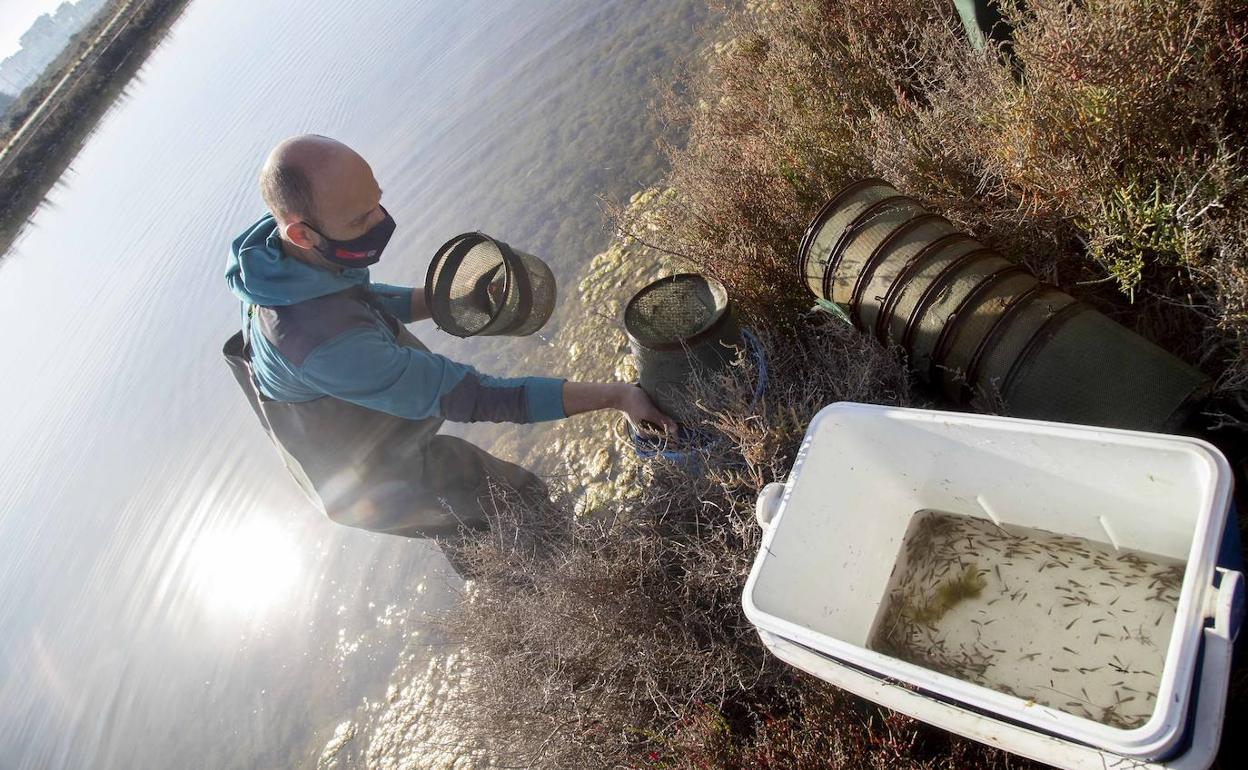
{"x": 44, "y": 41}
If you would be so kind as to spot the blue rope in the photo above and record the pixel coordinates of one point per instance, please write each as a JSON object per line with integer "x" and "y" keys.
{"x": 690, "y": 439}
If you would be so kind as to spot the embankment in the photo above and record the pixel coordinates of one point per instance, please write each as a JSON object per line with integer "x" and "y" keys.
{"x": 1104, "y": 151}
{"x": 54, "y": 116}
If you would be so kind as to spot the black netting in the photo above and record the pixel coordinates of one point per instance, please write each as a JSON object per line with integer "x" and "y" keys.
{"x": 1020, "y": 325}
{"x": 680, "y": 327}
{"x": 900, "y": 251}
{"x": 477, "y": 285}
{"x": 542, "y": 290}
{"x": 949, "y": 292}
{"x": 972, "y": 327}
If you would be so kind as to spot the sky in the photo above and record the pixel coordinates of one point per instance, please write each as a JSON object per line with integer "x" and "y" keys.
{"x": 16, "y": 16}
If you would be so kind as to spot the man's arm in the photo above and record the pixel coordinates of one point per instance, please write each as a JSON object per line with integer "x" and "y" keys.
{"x": 581, "y": 397}
{"x": 366, "y": 367}
{"x": 420, "y": 305}
{"x": 404, "y": 303}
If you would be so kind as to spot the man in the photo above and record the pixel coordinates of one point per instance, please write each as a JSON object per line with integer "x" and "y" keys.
{"x": 351, "y": 399}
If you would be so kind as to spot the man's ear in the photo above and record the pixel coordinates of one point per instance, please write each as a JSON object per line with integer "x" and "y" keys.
{"x": 299, "y": 234}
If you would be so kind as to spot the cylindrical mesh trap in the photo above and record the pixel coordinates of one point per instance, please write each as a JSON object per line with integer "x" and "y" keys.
{"x": 966, "y": 335}
{"x": 1018, "y": 323}
{"x": 981, "y": 328}
{"x": 897, "y": 259}
{"x": 480, "y": 286}
{"x": 1083, "y": 367}
{"x": 679, "y": 328}
{"x": 945, "y": 296}
{"x": 860, "y": 250}
{"x": 820, "y": 244}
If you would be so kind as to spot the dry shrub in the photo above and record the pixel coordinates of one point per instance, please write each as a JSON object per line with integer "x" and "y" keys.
{"x": 815, "y": 728}
{"x": 1103, "y": 149}
{"x": 615, "y": 641}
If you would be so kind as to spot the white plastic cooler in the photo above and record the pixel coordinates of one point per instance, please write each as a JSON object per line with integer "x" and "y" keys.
{"x": 834, "y": 530}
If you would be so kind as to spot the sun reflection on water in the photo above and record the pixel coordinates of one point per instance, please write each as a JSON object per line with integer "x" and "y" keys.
{"x": 246, "y": 569}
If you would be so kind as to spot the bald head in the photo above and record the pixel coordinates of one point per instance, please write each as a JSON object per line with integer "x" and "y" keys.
{"x": 317, "y": 181}
{"x": 295, "y": 169}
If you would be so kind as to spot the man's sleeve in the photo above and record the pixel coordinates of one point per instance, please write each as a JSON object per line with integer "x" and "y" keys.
{"x": 397, "y": 300}
{"x": 367, "y": 367}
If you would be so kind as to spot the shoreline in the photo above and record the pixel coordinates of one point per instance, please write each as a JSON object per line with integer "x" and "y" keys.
{"x": 638, "y": 653}
{"x": 49, "y": 136}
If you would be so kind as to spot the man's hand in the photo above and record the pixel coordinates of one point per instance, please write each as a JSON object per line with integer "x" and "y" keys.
{"x": 580, "y": 397}
{"x": 642, "y": 414}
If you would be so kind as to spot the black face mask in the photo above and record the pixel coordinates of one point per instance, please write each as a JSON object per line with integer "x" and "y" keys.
{"x": 358, "y": 252}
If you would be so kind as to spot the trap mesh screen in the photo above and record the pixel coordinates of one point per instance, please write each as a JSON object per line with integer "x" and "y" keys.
{"x": 542, "y": 293}
{"x": 900, "y": 252}
{"x": 954, "y": 287}
{"x": 469, "y": 285}
{"x": 929, "y": 269}
{"x": 820, "y": 255}
{"x": 671, "y": 311}
{"x": 1097, "y": 372}
{"x": 862, "y": 242}
{"x": 478, "y": 286}
{"x": 973, "y": 327}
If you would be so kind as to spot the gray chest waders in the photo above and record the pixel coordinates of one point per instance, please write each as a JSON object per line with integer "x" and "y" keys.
{"x": 369, "y": 469}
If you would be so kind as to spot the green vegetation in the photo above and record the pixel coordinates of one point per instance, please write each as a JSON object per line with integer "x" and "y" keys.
{"x": 969, "y": 584}
{"x": 1105, "y": 152}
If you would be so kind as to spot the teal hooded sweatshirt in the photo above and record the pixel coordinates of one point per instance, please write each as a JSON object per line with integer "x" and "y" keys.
{"x": 366, "y": 365}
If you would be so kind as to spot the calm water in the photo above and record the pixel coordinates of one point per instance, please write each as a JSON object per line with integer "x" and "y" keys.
{"x": 166, "y": 598}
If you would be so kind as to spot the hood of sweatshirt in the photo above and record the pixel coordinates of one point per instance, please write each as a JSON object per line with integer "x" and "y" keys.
{"x": 260, "y": 274}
